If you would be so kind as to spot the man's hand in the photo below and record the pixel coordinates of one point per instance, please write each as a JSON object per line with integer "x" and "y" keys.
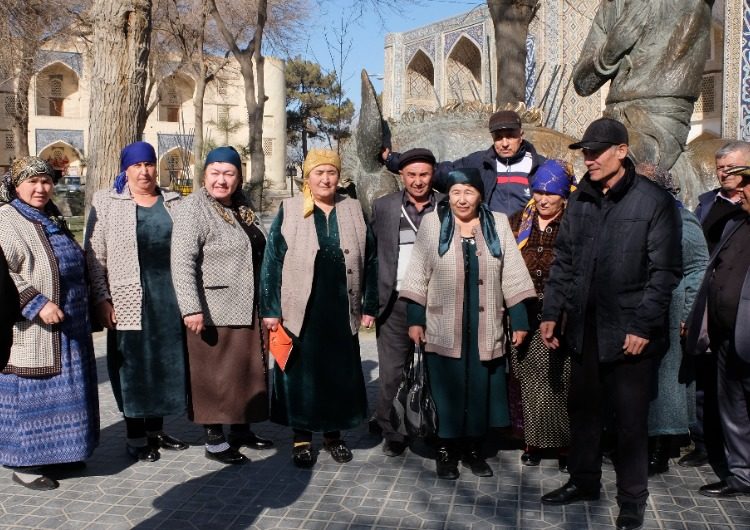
{"x": 51, "y": 314}
{"x": 416, "y": 334}
{"x": 634, "y": 345}
{"x": 547, "y": 330}
{"x": 384, "y": 152}
{"x": 368, "y": 321}
{"x": 105, "y": 314}
{"x": 194, "y": 323}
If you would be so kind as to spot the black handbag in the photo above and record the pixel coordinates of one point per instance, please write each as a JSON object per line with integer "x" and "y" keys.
{"x": 413, "y": 411}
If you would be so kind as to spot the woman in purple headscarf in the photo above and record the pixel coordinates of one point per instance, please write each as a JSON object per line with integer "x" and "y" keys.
{"x": 128, "y": 240}
{"x": 544, "y": 375}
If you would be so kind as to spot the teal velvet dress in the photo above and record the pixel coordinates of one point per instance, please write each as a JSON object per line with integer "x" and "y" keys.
{"x": 470, "y": 395}
{"x": 147, "y": 366}
{"x": 322, "y": 388}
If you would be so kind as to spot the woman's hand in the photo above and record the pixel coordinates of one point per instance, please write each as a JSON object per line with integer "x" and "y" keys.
{"x": 271, "y": 323}
{"x": 105, "y": 314}
{"x": 51, "y": 314}
{"x": 416, "y": 334}
{"x": 368, "y": 321}
{"x": 194, "y": 323}
{"x": 519, "y": 337}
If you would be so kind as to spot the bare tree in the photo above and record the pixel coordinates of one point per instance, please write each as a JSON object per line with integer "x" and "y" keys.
{"x": 511, "y": 19}
{"x": 120, "y": 52}
{"x": 26, "y": 27}
{"x": 187, "y": 22}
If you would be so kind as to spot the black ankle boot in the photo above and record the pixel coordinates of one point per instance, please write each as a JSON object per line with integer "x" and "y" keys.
{"x": 446, "y": 462}
{"x": 658, "y": 457}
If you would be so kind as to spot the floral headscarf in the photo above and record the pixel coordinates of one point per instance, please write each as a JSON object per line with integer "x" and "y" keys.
{"x": 21, "y": 169}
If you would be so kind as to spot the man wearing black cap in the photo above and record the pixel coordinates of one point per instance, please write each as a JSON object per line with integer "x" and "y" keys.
{"x": 395, "y": 220}
{"x": 507, "y": 168}
{"x": 617, "y": 260}
{"x": 721, "y": 313}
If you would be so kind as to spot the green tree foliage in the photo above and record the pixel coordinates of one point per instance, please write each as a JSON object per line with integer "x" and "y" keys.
{"x": 316, "y": 107}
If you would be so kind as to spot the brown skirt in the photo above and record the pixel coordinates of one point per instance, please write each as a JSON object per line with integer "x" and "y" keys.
{"x": 228, "y": 376}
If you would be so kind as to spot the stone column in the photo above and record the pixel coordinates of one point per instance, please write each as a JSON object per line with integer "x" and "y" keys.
{"x": 736, "y": 109}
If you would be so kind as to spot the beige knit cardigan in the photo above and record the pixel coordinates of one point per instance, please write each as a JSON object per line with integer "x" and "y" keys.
{"x": 299, "y": 261}
{"x": 438, "y": 283}
{"x": 32, "y": 265}
{"x": 112, "y": 253}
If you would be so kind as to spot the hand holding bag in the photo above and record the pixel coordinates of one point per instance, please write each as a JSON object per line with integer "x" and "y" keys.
{"x": 413, "y": 412}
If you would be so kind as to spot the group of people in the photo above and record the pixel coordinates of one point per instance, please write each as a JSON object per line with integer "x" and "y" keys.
{"x": 563, "y": 308}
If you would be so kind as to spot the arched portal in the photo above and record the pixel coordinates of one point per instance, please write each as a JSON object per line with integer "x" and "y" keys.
{"x": 464, "y": 72}
{"x": 175, "y": 170}
{"x": 65, "y": 159}
{"x": 175, "y": 95}
{"x": 420, "y": 83}
{"x": 57, "y": 91}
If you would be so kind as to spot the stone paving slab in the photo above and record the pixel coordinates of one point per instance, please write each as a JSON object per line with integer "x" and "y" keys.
{"x": 184, "y": 490}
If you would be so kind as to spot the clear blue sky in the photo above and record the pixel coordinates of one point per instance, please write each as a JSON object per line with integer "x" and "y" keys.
{"x": 367, "y": 34}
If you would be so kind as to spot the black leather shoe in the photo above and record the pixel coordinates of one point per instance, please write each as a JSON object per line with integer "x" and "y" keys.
{"x": 694, "y": 458}
{"x": 446, "y": 464}
{"x": 302, "y": 455}
{"x": 533, "y": 458}
{"x": 562, "y": 463}
{"x": 165, "y": 441}
{"x": 248, "y": 439}
{"x": 143, "y": 454}
{"x": 569, "y": 493}
{"x": 478, "y": 465}
{"x": 339, "y": 451}
{"x": 722, "y": 490}
{"x": 42, "y": 483}
{"x": 394, "y": 447}
{"x": 631, "y": 516}
{"x": 227, "y": 456}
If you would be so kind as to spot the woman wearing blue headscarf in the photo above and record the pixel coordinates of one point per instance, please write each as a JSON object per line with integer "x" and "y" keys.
{"x": 128, "y": 239}
{"x": 544, "y": 375}
{"x": 217, "y": 248}
{"x": 465, "y": 268}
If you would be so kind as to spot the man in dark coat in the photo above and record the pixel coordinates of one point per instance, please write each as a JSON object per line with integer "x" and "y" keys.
{"x": 720, "y": 318}
{"x": 507, "y": 168}
{"x": 9, "y": 310}
{"x": 715, "y": 209}
{"x": 395, "y": 220}
{"x": 617, "y": 260}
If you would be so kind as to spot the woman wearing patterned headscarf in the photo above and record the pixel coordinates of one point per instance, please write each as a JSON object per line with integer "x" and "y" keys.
{"x": 217, "y": 247}
{"x": 544, "y": 375}
{"x": 319, "y": 280}
{"x": 127, "y": 253}
{"x": 464, "y": 269}
{"x": 50, "y": 379}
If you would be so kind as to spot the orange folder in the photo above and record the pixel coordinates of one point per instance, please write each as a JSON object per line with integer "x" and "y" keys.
{"x": 280, "y": 346}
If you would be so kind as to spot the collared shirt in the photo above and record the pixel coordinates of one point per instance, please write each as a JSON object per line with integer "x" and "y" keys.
{"x": 409, "y": 223}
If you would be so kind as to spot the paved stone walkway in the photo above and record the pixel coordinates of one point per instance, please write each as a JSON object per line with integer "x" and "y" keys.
{"x": 184, "y": 490}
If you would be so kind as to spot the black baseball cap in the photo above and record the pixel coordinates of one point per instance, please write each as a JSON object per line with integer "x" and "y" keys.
{"x": 602, "y": 133}
{"x": 418, "y": 154}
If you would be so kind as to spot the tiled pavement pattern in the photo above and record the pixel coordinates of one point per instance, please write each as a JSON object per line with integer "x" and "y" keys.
{"x": 185, "y": 490}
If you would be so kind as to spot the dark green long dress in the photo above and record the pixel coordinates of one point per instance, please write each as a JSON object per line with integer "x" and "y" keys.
{"x": 322, "y": 388}
{"x": 470, "y": 395}
{"x": 147, "y": 366}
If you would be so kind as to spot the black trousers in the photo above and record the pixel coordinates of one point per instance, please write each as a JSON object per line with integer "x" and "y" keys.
{"x": 623, "y": 389}
{"x": 394, "y": 348}
{"x": 733, "y": 390}
{"x": 706, "y": 431}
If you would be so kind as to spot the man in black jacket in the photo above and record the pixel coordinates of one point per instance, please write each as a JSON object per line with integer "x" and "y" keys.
{"x": 507, "y": 168}
{"x": 9, "y": 310}
{"x": 617, "y": 260}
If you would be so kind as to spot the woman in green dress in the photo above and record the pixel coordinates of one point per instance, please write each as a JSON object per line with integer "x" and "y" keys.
{"x": 319, "y": 281}
{"x": 128, "y": 239}
{"x": 465, "y": 268}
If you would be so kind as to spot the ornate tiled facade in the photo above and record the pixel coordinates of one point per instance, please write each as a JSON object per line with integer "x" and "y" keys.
{"x": 46, "y": 137}
{"x": 556, "y": 35}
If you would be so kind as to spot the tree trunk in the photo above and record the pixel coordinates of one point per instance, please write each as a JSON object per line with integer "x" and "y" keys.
{"x": 198, "y": 97}
{"x": 255, "y": 112}
{"x": 511, "y": 19}
{"x": 120, "y": 49}
{"x": 20, "y": 121}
